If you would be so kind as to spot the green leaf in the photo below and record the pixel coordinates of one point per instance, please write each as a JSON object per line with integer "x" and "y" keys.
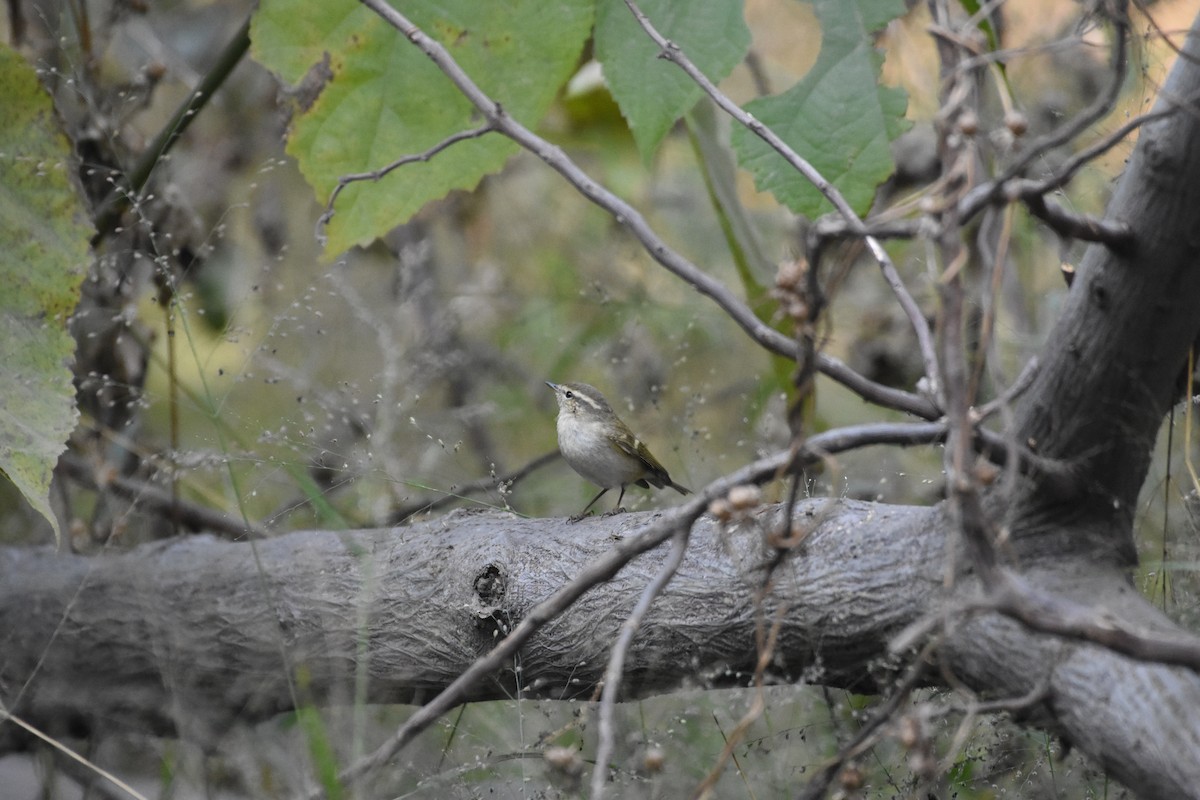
{"x": 385, "y": 99}
{"x": 44, "y": 239}
{"x": 290, "y": 43}
{"x": 316, "y": 735}
{"x": 651, "y": 92}
{"x": 838, "y": 117}
{"x": 709, "y": 133}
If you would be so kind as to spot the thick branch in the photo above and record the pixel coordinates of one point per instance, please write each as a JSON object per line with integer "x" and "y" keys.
{"x": 187, "y": 637}
{"x": 1109, "y": 372}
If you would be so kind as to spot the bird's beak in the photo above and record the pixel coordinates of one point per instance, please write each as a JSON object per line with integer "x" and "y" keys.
{"x": 553, "y": 386}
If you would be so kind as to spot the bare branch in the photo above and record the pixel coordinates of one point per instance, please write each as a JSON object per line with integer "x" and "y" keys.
{"x": 379, "y": 174}
{"x": 672, "y": 53}
{"x": 874, "y": 392}
{"x": 1044, "y": 612}
{"x": 1023, "y": 187}
{"x": 1018, "y": 387}
{"x": 1031, "y": 698}
{"x": 467, "y": 490}
{"x": 71, "y": 754}
{"x": 109, "y": 213}
{"x": 959, "y": 158}
{"x": 599, "y": 571}
{"x": 762, "y": 333}
{"x": 972, "y": 710}
{"x": 916, "y": 317}
{"x": 1041, "y": 611}
{"x": 766, "y": 643}
{"x": 192, "y": 516}
{"x": 994, "y": 191}
{"x": 616, "y": 660}
{"x": 1095, "y": 112}
{"x": 1113, "y": 234}
{"x": 820, "y": 784}
{"x": 833, "y": 226}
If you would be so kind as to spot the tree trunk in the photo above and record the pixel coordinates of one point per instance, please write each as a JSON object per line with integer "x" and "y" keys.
{"x": 1110, "y": 370}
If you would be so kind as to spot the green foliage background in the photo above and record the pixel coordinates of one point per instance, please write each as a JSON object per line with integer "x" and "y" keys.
{"x": 44, "y": 241}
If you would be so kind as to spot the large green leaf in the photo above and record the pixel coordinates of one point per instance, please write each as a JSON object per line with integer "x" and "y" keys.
{"x": 838, "y": 117}
{"x": 385, "y": 99}
{"x": 44, "y": 237}
{"x": 651, "y": 92}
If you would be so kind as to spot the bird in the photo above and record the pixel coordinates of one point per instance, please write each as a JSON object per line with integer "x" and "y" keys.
{"x": 602, "y": 448}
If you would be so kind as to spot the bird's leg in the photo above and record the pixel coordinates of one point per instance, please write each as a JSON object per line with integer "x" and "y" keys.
{"x": 583, "y": 513}
{"x": 617, "y": 508}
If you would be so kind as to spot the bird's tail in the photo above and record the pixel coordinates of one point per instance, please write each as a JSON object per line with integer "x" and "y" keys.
{"x": 678, "y": 488}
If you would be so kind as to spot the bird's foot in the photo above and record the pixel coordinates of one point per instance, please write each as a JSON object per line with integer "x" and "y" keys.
{"x": 615, "y": 511}
{"x": 576, "y": 518}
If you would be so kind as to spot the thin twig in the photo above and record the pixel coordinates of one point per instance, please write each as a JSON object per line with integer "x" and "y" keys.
{"x": 761, "y": 333}
{"x": 877, "y": 393}
{"x": 616, "y": 659}
{"x": 958, "y": 99}
{"x": 881, "y": 226}
{"x": 1099, "y": 108}
{"x": 465, "y": 491}
{"x": 119, "y": 199}
{"x": 1044, "y": 612}
{"x": 1022, "y": 187}
{"x": 1024, "y": 381}
{"x": 1039, "y": 693}
{"x": 84, "y": 777}
{"x": 993, "y": 247}
{"x": 600, "y": 570}
{"x": 993, "y": 191}
{"x": 819, "y": 785}
{"x": 1063, "y": 478}
{"x": 378, "y": 174}
{"x": 671, "y": 52}
{"x": 192, "y": 516}
{"x": 69, "y": 753}
{"x": 1035, "y": 695}
{"x": 766, "y": 654}
{"x": 916, "y": 317}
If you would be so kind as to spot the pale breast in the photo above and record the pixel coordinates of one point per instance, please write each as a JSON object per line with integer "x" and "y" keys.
{"x": 589, "y": 452}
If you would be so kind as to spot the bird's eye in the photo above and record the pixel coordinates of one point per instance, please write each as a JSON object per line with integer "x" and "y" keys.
{"x": 568, "y": 394}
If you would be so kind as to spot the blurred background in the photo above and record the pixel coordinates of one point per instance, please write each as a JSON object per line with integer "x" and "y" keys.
{"x": 224, "y": 354}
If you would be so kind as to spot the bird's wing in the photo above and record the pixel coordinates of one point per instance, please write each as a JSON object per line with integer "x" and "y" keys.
{"x": 656, "y": 473}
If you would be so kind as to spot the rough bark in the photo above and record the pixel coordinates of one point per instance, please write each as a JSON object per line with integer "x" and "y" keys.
{"x": 1109, "y": 372}
{"x": 187, "y": 637}
{"x": 190, "y": 636}
{"x": 1112, "y": 364}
